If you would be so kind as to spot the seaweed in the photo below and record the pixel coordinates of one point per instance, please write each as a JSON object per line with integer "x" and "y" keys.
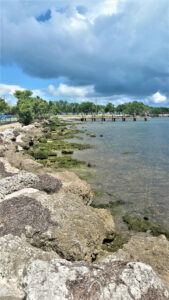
{"x": 46, "y": 147}
{"x": 142, "y": 225}
{"x": 110, "y": 205}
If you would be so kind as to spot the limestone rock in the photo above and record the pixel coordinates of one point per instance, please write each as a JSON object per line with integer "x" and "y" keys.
{"x": 110, "y": 279}
{"x": 73, "y": 184}
{"x": 150, "y": 250}
{"x": 22, "y": 180}
{"x": 7, "y": 166}
{"x": 3, "y": 171}
{"x": 48, "y": 183}
{"x": 15, "y": 256}
{"x": 22, "y": 162}
{"x": 59, "y": 222}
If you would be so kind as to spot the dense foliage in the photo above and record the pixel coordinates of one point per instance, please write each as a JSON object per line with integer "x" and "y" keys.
{"x": 29, "y": 108}
{"x": 4, "y": 107}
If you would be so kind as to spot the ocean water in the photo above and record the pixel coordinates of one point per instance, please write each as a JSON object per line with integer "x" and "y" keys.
{"x": 130, "y": 161}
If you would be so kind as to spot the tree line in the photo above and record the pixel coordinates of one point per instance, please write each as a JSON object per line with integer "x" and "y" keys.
{"x": 29, "y": 108}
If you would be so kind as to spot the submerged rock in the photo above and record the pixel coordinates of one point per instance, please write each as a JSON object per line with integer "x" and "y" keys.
{"x": 110, "y": 279}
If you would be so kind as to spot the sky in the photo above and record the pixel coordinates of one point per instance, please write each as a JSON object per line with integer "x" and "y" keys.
{"x": 110, "y": 50}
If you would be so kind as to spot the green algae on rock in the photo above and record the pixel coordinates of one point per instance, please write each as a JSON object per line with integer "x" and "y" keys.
{"x": 86, "y": 176}
{"x": 117, "y": 243}
{"x": 127, "y": 153}
{"x": 67, "y": 151}
{"x": 137, "y": 224}
{"x": 46, "y": 147}
{"x": 98, "y": 193}
{"x": 111, "y": 204}
{"x": 66, "y": 162}
{"x": 91, "y": 134}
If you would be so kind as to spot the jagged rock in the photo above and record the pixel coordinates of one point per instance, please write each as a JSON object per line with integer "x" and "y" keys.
{"x": 73, "y": 184}
{"x": 17, "y": 213}
{"x": 22, "y": 180}
{"x": 19, "y": 148}
{"x": 150, "y": 250}
{"x": 7, "y": 166}
{"x": 48, "y": 183}
{"x": 7, "y": 136}
{"x": 22, "y": 162}
{"x": 3, "y": 171}
{"x": 59, "y": 222}
{"x": 110, "y": 279}
{"x": 15, "y": 256}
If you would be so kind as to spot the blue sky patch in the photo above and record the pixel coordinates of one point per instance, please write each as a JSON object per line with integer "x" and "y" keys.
{"x": 44, "y": 17}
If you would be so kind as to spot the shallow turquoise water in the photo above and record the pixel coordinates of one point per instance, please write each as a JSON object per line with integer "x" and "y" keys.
{"x": 141, "y": 177}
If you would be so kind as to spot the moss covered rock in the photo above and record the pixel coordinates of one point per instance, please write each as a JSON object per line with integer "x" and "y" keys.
{"x": 67, "y": 151}
{"x": 138, "y": 224}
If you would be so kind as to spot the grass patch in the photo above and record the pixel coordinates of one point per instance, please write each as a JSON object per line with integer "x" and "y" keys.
{"x": 141, "y": 225}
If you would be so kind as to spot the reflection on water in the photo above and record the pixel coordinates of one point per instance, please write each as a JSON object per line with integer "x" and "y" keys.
{"x": 132, "y": 162}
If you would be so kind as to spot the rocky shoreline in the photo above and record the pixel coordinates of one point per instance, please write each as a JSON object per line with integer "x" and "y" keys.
{"x": 51, "y": 238}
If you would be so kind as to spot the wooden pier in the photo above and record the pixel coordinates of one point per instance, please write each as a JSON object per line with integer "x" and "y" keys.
{"x": 114, "y": 118}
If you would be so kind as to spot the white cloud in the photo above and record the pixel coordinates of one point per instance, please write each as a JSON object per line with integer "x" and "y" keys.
{"x": 158, "y": 98}
{"x": 64, "y": 90}
{"x": 7, "y": 91}
{"x": 80, "y": 94}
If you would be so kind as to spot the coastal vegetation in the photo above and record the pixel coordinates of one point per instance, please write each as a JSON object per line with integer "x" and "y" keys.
{"x": 4, "y": 107}
{"x": 30, "y": 108}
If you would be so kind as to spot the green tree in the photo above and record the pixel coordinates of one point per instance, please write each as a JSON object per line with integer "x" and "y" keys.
{"x": 30, "y": 108}
{"x": 4, "y": 107}
{"x": 109, "y": 108}
{"x": 87, "y": 107}
{"x": 25, "y": 114}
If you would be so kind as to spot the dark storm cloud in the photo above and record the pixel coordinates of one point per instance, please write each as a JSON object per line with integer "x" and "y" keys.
{"x": 126, "y": 52}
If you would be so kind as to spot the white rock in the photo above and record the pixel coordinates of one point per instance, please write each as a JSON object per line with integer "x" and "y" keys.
{"x": 110, "y": 279}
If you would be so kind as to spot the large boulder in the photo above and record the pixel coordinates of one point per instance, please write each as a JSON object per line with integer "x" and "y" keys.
{"x": 81, "y": 229}
{"x": 109, "y": 279}
{"x": 150, "y": 250}
{"x": 15, "y": 257}
{"x": 23, "y": 180}
{"x": 71, "y": 183}
{"x": 60, "y": 222}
